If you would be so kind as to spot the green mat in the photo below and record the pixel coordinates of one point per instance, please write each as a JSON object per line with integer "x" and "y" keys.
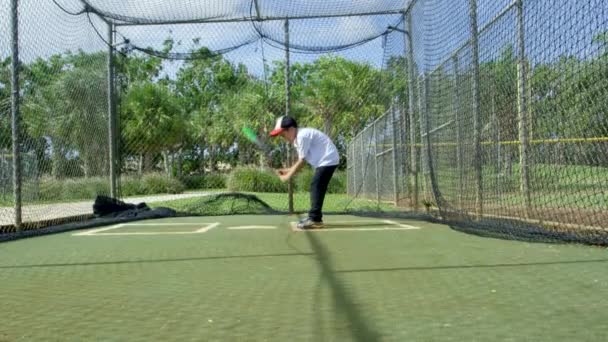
{"x": 272, "y": 284}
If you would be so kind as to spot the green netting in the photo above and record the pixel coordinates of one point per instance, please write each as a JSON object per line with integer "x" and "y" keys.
{"x": 498, "y": 124}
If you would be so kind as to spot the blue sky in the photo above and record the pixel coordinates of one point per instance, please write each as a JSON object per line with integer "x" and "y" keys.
{"x": 553, "y": 28}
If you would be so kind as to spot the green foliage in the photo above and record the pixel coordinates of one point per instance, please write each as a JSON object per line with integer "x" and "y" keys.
{"x": 56, "y": 190}
{"x": 161, "y": 184}
{"x": 191, "y": 124}
{"x": 206, "y": 181}
{"x": 62, "y": 104}
{"x": 248, "y": 179}
{"x": 337, "y": 184}
{"x": 73, "y": 189}
{"x": 132, "y": 186}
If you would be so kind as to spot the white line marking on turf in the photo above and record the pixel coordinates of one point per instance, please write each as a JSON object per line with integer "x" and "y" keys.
{"x": 145, "y": 233}
{"x": 160, "y": 224}
{"x": 395, "y": 226}
{"x": 404, "y": 226}
{"x": 208, "y": 228}
{"x": 100, "y": 231}
{"x": 94, "y": 231}
{"x": 252, "y": 227}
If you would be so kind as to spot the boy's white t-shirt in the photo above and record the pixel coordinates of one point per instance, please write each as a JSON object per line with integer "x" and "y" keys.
{"x": 316, "y": 148}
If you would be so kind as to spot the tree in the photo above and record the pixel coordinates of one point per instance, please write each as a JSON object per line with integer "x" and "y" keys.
{"x": 205, "y": 88}
{"x": 152, "y": 123}
{"x": 64, "y": 103}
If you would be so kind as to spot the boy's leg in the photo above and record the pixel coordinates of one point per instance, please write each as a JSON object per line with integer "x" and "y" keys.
{"x": 318, "y": 188}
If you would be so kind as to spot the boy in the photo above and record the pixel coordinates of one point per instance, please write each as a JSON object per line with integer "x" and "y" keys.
{"x": 319, "y": 151}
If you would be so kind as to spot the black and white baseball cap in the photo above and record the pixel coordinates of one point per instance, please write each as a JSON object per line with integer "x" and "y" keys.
{"x": 282, "y": 124}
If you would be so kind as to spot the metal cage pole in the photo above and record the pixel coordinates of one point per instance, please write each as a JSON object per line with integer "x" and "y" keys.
{"x": 411, "y": 108}
{"x": 15, "y": 117}
{"x": 422, "y": 129}
{"x": 522, "y": 110}
{"x": 476, "y": 108}
{"x": 375, "y": 154}
{"x": 395, "y": 125}
{"x": 112, "y": 114}
{"x": 288, "y": 110}
{"x": 458, "y": 119}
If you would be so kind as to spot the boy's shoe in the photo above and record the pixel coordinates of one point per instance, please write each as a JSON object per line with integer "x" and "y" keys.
{"x": 307, "y": 223}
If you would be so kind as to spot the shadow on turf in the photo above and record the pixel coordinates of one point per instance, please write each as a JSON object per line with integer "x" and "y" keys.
{"x": 360, "y": 329}
{"x": 118, "y": 262}
{"x": 457, "y": 267}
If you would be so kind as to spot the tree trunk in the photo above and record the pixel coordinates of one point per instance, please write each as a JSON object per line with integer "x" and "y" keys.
{"x": 179, "y": 163}
{"x": 57, "y": 162}
{"x": 140, "y": 166}
{"x": 263, "y": 161}
{"x": 146, "y": 163}
{"x": 166, "y": 163}
{"x": 328, "y": 123}
{"x": 86, "y": 166}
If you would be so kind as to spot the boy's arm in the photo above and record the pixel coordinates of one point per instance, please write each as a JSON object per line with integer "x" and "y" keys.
{"x": 286, "y": 174}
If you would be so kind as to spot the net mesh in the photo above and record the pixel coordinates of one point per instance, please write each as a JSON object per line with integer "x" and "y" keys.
{"x": 498, "y": 125}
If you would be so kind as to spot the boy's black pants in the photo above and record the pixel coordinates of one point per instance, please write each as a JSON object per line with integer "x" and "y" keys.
{"x": 318, "y": 188}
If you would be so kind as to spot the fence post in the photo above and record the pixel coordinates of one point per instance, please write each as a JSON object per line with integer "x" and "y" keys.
{"x": 394, "y": 125}
{"x": 111, "y": 113}
{"x": 476, "y": 109}
{"x": 15, "y": 114}
{"x": 422, "y": 121}
{"x": 352, "y": 167}
{"x": 375, "y": 154}
{"x": 522, "y": 110}
{"x": 288, "y": 109}
{"x": 364, "y": 153}
{"x": 411, "y": 107}
{"x": 457, "y": 110}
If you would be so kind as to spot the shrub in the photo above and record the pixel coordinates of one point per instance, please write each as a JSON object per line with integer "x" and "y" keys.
{"x": 255, "y": 180}
{"x": 50, "y": 188}
{"x": 130, "y": 186}
{"x": 215, "y": 181}
{"x": 160, "y": 184}
{"x": 72, "y": 189}
{"x": 84, "y": 188}
{"x": 207, "y": 181}
{"x": 337, "y": 184}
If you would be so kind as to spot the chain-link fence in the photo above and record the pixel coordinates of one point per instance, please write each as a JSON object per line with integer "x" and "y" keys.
{"x": 510, "y": 116}
{"x": 491, "y": 114}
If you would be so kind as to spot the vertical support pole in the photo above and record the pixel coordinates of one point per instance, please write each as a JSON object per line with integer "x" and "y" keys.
{"x": 111, "y": 113}
{"x": 476, "y": 108}
{"x": 349, "y": 175}
{"x": 456, "y": 107}
{"x": 364, "y": 164}
{"x": 522, "y": 110}
{"x": 411, "y": 109}
{"x": 375, "y": 155}
{"x": 395, "y": 125}
{"x": 288, "y": 108}
{"x": 422, "y": 130}
{"x": 353, "y": 156}
{"x": 495, "y": 140}
{"x": 15, "y": 115}
{"x": 425, "y": 137}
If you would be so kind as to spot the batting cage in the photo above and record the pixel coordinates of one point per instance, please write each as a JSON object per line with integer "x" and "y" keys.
{"x": 472, "y": 138}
